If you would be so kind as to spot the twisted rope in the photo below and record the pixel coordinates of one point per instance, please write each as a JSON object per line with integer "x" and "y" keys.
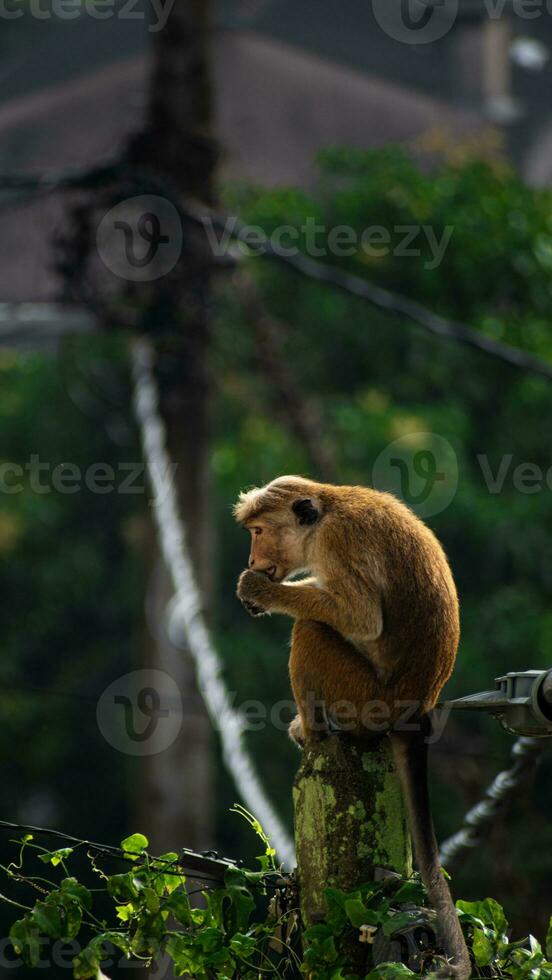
{"x": 186, "y": 624}
{"x": 479, "y": 821}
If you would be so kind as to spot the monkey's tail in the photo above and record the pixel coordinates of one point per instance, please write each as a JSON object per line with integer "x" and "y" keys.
{"x": 410, "y": 755}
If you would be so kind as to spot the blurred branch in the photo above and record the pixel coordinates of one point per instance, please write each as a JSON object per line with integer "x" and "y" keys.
{"x": 301, "y": 417}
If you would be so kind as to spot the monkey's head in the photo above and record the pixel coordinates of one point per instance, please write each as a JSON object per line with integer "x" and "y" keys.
{"x": 280, "y": 517}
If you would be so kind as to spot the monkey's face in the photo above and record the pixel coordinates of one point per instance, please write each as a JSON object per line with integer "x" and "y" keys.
{"x": 278, "y": 547}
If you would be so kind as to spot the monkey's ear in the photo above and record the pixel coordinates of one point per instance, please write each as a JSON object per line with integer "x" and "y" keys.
{"x": 305, "y": 511}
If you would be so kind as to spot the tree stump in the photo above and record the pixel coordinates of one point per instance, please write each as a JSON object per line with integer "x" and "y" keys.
{"x": 350, "y": 818}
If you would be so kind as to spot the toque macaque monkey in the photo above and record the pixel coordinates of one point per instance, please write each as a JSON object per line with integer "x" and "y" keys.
{"x": 376, "y": 630}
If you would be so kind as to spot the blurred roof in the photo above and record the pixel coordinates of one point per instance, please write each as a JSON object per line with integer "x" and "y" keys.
{"x": 276, "y": 106}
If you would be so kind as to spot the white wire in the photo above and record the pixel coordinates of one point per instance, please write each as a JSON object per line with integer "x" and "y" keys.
{"x": 185, "y": 615}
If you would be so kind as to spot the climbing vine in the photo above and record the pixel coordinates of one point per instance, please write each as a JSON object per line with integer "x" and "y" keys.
{"x": 153, "y": 910}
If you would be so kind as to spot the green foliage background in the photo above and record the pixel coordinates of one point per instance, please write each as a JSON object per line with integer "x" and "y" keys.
{"x": 72, "y": 569}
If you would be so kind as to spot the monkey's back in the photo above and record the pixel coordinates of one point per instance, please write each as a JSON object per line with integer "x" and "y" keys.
{"x": 392, "y": 550}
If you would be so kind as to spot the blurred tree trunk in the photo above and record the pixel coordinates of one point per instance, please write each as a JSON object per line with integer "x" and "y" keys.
{"x": 175, "y": 786}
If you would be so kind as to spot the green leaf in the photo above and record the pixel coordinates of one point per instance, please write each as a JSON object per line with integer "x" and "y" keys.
{"x": 210, "y": 939}
{"x": 151, "y": 931}
{"x": 48, "y": 918}
{"x": 223, "y": 963}
{"x": 317, "y": 933}
{"x": 336, "y": 916}
{"x": 359, "y": 915}
{"x": 335, "y": 897}
{"x": 241, "y": 898}
{"x": 125, "y": 912}
{"x": 178, "y": 948}
{"x": 243, "y": 945}
{"x": 134, "y": 845}
{"x": 73, "y": 888}
{"x": 398, "y": 921}
{"x": 24, "y": 936}
{"x": 371, "y": 890}
{"x": 118, "y": 939}
{"x": 525, "y": 964}
{"x": 73, "y": 920}
{"x": 388, "y": 971}
{"x": 410, "y": 891}
{"x": 328, "y": 950}
{"x": 171, "y": 857}
{"x": 487, "y": 911}
{"x": 123, "y": 887}
{"x": 150, "y": 899}
{"x": 548, "y": 941}
{"x": 179, "y": 905}
{"x": 483, "y": 948}
{"x": 87, "y": 964}
{"x": 171, "y": 880}
{"x": 55, "y": 857}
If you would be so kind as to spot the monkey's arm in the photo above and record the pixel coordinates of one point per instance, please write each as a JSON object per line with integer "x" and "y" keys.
{"x": 345, "y": 611}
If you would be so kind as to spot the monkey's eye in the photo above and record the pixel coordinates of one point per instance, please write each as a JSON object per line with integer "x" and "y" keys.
{"x": 257, "y": 531}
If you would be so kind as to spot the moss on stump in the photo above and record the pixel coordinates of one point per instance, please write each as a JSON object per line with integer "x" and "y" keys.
{"x": 349, "y": 818}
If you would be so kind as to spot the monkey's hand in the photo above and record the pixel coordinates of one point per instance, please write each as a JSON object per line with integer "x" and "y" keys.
{"x": 254, "y": 591}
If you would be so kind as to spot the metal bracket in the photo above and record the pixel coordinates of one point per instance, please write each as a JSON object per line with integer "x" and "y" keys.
{"x": 521, "y": 702}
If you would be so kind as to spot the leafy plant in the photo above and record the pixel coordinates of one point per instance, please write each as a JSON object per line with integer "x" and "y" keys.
{"x": 206, "y": 933}
{"x": 234, "y": 931}
{"x": 484, "y": 924}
